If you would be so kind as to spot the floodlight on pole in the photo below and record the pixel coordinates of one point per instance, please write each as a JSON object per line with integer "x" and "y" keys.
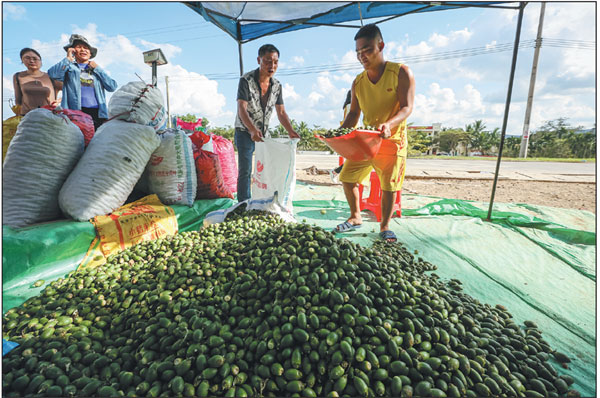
{"x": 154, "y": 58}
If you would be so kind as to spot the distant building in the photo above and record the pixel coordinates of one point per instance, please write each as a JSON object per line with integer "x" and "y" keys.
{"x": 432, "y": 132}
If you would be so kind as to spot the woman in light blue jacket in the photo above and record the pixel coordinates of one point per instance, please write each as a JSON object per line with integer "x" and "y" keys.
{"x": 84, "y": 82}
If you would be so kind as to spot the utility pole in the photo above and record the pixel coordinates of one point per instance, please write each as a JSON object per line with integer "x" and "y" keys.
{"x": 169, "y": 124}
{"x": 536, "y": 54}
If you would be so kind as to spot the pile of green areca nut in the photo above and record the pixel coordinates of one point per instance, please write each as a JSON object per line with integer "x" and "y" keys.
{"x": 258, "y": 307}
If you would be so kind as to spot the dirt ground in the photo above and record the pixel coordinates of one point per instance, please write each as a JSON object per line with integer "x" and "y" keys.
{"x": 555, "y": 194}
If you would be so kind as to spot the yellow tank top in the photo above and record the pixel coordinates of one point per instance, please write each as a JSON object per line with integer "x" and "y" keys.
{"x": 379, "y": 101}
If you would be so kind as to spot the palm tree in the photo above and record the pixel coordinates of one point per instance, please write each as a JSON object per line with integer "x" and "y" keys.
{"x": 512, "y": 147}
{"x": 477, "y": 137}
{"x": 492, "y": 140}
{"x": 307, "y": 138}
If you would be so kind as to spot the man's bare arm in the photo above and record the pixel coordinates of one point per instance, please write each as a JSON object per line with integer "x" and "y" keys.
{"x": 406, "y": 97}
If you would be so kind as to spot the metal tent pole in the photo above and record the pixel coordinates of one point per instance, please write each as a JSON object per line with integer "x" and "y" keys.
{"x": 239, "y": 41}
{"x": 360, "y": 14}
{"x": 507, "y": 107}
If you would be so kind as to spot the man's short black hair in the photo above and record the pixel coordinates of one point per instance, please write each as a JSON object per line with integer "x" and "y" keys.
{"x": 267, "y": 48}
{"x": 370, "y": 32}
{"x": 27, "y": 49}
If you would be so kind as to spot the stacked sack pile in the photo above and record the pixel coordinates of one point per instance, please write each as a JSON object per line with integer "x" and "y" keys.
{"x": 55, "y": 164}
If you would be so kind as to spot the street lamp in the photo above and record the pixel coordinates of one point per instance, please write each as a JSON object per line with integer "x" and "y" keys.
{"x": 154, "y": 58}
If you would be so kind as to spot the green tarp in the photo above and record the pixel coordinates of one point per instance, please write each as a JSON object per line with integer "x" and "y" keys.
{"x": 51, "y": 250}
{"x": 537, "y": 261}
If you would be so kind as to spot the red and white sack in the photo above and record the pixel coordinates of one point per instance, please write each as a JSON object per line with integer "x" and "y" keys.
{"x": 224, "y": 148}
{"x": 140, "y": 103}
{"x": 171, "y": 172}
{"x": 210, "y": 176}
{"x": 40, "y": 157}
{"x": 108, "y": 170}
{"x": 274, "y": 170}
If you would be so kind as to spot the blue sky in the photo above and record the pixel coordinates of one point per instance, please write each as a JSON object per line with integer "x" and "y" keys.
{"x": 453, "y": 91}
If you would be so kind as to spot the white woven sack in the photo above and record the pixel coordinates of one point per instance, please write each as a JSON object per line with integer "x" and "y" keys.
{"x": 171, "y": 171}
{"x": 140, "y": 103}
{"x": 40, "y": 157}
{"x": 108, "y": 170}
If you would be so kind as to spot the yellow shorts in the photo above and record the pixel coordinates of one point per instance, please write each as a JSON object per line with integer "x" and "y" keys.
{"x": 389, "y": 164}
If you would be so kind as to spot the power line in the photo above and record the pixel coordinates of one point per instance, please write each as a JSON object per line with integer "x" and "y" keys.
{"x": 577, "y": 44}
{"x": 462, "y": 53}
{"x": 353, "y": 66}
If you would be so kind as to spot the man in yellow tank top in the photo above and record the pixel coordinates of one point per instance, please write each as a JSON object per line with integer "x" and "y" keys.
{"x": 384, "y": 92}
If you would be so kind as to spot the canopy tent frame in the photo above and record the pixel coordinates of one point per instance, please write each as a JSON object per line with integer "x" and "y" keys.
{"x": 428, "y": 6}
{"x": 293, "y": 24}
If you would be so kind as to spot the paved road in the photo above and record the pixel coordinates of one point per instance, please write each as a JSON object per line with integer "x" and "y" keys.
{"x": 476, "y": 168}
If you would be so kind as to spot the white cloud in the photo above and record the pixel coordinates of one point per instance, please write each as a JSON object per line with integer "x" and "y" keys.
{"x": 289, "y": 93}
{"x": 350, "y": 58}
{"x": 439, "y": 40}
{"x": 497, "y": 109}
{"x": 443, "y": 105}
{"x": 12, "y": 11}
{"x": 577, "y": 63}
{"x": 323, "y": 104}
{"x": 570, "y": 19}
{"x": 418, "y": 49}
{"x": 471, "y": 104}
{"x": 461, "y": 35}
{"x": 297, "y": 60}
{"x": 546, "y": 110}
{"x": 191, "y": 92}
{"x": 51, "y": 52}
{"x": 7, "y": 87}
{"x": 491, "y": 45}
{"x": 324, "y": 84}
{"x": 346, "y": 78}
{"x": 505, "y": 17}
{"x": 393, "y": 49}
{"x": 314, "y": 98}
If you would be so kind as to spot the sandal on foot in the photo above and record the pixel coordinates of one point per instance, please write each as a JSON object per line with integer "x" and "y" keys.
{"x": 346, "y": 227}
{"x": 388, "y": 236}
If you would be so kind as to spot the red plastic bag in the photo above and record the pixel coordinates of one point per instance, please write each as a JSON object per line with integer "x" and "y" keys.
{"x": 210, "y": 177}
{"x": 80, "y": 119}
{"x": 189, "y": 125}
{"x": 224, "y": 148}
{"x": 358, "y": 145}
{"x": 199, "y": 138}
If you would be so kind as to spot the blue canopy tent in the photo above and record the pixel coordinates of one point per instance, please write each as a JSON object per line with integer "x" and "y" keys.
{"x": 247, "y": 21}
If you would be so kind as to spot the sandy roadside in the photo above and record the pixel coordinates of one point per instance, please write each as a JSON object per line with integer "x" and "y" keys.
{"x": 581, "y": 196}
